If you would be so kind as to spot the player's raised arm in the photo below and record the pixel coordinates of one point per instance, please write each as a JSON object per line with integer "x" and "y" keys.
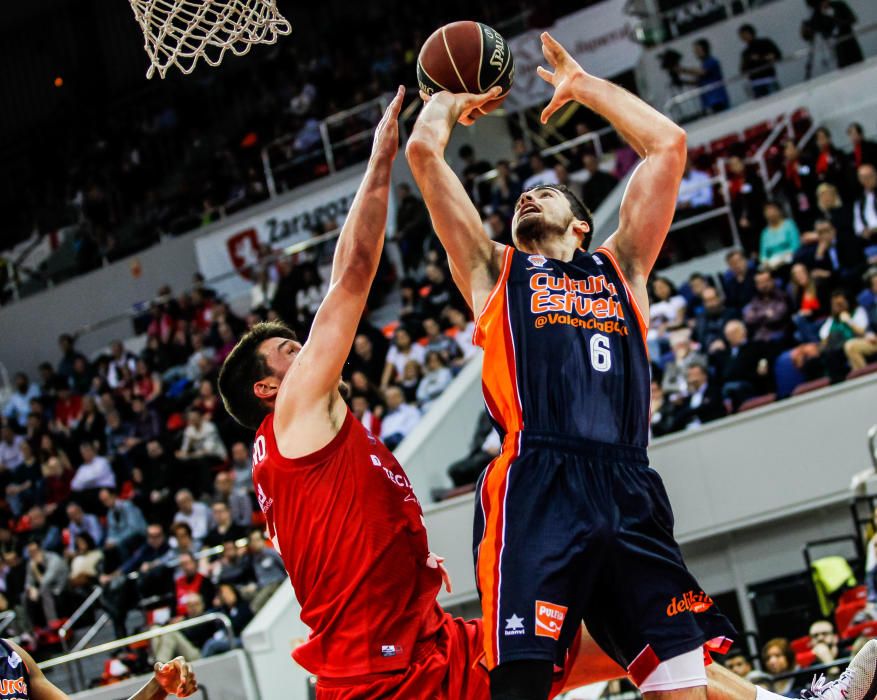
{"x": 317, "y": 369}
{"x": 650, "y": 198}
{"x": 474, "y": 258}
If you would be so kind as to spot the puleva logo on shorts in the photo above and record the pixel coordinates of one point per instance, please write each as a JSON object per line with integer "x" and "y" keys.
{"x": 693, "y": 601}
{"x": 549, "y": 619}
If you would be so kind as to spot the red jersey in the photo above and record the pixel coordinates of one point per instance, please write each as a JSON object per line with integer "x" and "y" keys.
{"x": 350, "y": 531}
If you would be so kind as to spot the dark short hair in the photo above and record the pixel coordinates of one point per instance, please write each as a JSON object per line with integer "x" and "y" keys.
{"x": 180, "y": 525}
{"x": 858, "y": 127}
{"x": 579, "y": 210}
{"x": 245, "y": 366}
{"x": 747, "y": 28}
{"x": 705, "y": 45}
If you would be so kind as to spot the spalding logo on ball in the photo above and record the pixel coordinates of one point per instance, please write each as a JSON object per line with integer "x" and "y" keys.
{"x": 466, "y": 57}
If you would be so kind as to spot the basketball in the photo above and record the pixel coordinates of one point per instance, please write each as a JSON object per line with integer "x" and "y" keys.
{"x": 466, "y": 57}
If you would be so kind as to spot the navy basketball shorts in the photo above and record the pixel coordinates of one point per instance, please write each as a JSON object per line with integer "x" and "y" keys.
{"x": 570, "y": 531}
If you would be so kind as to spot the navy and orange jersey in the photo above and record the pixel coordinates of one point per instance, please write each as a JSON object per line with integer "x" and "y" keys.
{"x": 564, "y": 349}
{"x": 351, "y": 533}
{"x": 14, "y": 675}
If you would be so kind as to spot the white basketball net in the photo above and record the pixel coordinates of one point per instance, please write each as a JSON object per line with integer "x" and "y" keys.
{"x": 179, "y": 32}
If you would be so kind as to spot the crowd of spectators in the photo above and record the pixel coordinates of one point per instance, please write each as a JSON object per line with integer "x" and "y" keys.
{"x": 801, "y": 295}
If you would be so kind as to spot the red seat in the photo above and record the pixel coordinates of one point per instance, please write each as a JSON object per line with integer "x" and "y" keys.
{"x": 757, "y": 402}
{"x": 800, "y": 645}
{"x": 867, "y": 369}
{"x": 844, "y": 614}
{"x": 853, "y": 595}
{"x": 807, "y": 387}
{"x": 805, "y": 658}
{"x": 720, "y": 147}
{"x": 863, "y": 629}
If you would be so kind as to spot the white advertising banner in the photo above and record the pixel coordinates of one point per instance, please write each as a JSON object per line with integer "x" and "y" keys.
{"x": 601, "y": 38}
{"x": 235, "y": 247}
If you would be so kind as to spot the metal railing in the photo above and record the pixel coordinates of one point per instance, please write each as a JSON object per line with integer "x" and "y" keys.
{"x": 76, "y": 656}
{"x": 676, "y": 105}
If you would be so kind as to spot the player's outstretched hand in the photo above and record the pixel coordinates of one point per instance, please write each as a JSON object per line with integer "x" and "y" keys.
{"x": 564, "y": 78}
{"x": 176, "y": 677}
{"x": 463, "y": 106}
{"x": 386, "y": 143}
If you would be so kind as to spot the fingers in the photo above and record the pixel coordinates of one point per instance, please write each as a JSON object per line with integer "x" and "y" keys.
{"x": 551, "y": 49}
{"x": 555, "y": 104}
{"x": 424, "y": 96}
{"x": 545, "y": 74}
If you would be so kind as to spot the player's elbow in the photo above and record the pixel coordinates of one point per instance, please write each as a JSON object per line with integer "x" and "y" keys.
{"x": 674, "y": 149}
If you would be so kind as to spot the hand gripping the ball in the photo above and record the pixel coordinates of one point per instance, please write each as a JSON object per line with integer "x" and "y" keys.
{"x": 464, "y": 106}
{"x": 566, "y": 78}
{"x": 176, "y": 677}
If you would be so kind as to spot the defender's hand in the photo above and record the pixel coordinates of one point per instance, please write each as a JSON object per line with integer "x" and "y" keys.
{"x": 176, "y": 677}
{"x": 386, "y": 143}
{"x": 434, "y": 561}
{"x": 567, "y": 73}
{"x": 463, "y": 106}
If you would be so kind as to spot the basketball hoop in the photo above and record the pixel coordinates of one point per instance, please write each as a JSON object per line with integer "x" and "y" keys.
{"x": 179, "y": 32}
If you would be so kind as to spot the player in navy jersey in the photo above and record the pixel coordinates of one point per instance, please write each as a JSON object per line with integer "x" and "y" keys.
{"x": 571, "y": 522}
{"x": 22, "y": 679}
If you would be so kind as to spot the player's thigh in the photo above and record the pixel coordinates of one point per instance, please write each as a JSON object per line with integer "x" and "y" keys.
{"x": 529, "y": 567}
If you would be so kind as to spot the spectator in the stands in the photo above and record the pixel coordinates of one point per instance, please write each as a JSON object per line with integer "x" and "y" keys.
{"x": 362, "y": 411}
{"x": 201, "y": 450}
{"x": 709, "y": 78}
{"x": 746, "y": 192}
{"x": 738, "y": 281}
{"x": 79, "y": 522}
{"x": 485, "y": 445}
{"x": 599, "y": 183}
{"x": 410, "y": 380}
{"x": 45, "y": 584}
{"x": 829, "y": 206}
{"x": 841, "y": 327}
{"x": 120, "y": 360}
{"x": 235, "y": 498}
{"x": 834, "y": 20}
{"x": 161, "y": 475}
{"x": 799, "y": 183}
{"x": 460, "y": 329}
{"x": 94, "y": 473}
{"x": 25, "y": 486}
{"x": 126, "y": 527}
{"x": 701, "y": 403}
{"x": 238, "y": 611}
{"x": 193, "y": 513}
{"x": 709, "y": 322}
{"x": 472, "y": 168}
{"x": 810, "y": 302}
{"x": 695, "y": 190}
{"x": 769, "y": 313}
{"x": 241, "y": 467}
{"x": 830, "y": 162}
{"x": 757, "y": 61}
{"x": 18, "y": 404}
{"x": 693, "y": 291}
{"x": 399, "y": 419}
{"x": 497, "y": 226}
{"x": 778, "y": 657}
{"x": 10, "y": 448}
{"x": 862, "y": 350}
{"x": 224, "y": 528}
{"x": 85, "y": 562}
{"x": 401, "y": 351}
{"x": 69, "y": 353}
{"x": 189, "y": 581}
{"x": 40, "y": 530}
{"x": 202, "y": 356}
{"x": 863, "y": 150}
{"x": 505, "y": 190}
{"x": 675, "y": 381}
{"x": 268, "y": 569}
{"x": 435, "y": 380}
{"x": 540, "y": 174}
{"x": 365, "y": 359}
{"x": 182, "y": 539}
{"x": 233, "y": 565}
{"x": 263, "y": 291}
{"x": 742, "y": 368}
{"x": 68, "y": 406}
{"x": 738, "y": 663}
{"x": 438, "y": 290}
{"x": 55, "y": 485}
{"x": 824, "y": 641}
{"x": 661, "y": 411}
{"x": 666, "y": 312}
{"x": 436, "y": 341}
{"x": 119, "y": 435}
{"x": 865, "y": 211}
{"x": 780, "y": 239}
{"x": 412, "y": 227}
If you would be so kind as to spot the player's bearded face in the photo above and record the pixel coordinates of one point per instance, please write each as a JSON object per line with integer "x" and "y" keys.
{"x": 539, "y": 216}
